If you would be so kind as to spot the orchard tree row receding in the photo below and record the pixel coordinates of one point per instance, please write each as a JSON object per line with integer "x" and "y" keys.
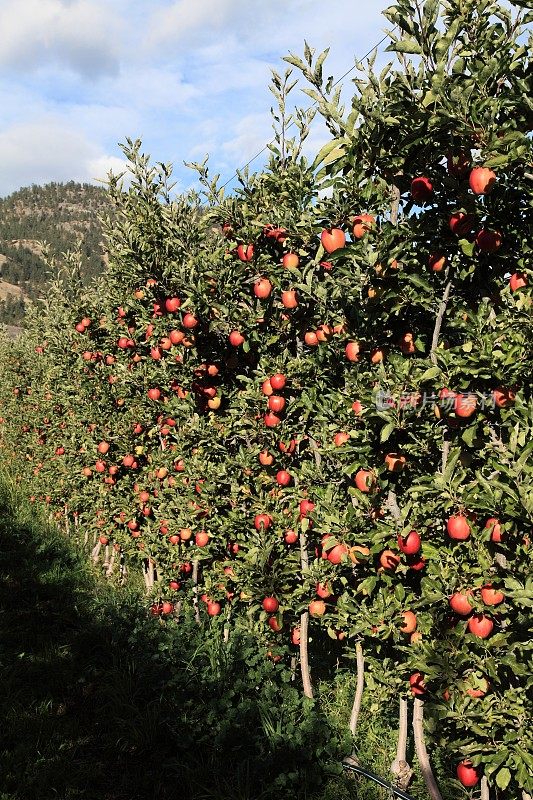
{"x": 305, "y": 408}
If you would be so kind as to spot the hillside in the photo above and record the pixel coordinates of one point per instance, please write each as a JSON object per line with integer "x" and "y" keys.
{"x": 59, "y": 215}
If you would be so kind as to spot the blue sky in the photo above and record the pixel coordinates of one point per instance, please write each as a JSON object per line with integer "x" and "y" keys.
{"x": 189, "y": 77}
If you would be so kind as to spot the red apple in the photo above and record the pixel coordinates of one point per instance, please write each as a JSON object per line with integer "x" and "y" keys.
{"x": 362, "y": 224}
{"x": 265, "y": 458}
{"x": 458, "y": 527}
{"x": 290, "y": 260}
{"x": 289, "y": 298}
{"x": 480, "y": 625}
{"x": 245, "y": 252}
{"x": 462, "y": 224}
{"x": 416, "y": 682}
{"x": 189, "y": 321}
{"x": 262, "y": 288}
{"x": 262, "y": 521}
{"x": 332, "y": 239}
{"x": 482, "y": 180}
{"x": 467, "y": 774}
{"x": 488, "y": 241}
{"x": 213, "y": 609}
{"x": 389, "y": 560}
{"x": 503, "y": 397}
{"x": 277, "y": 381}
{"x": 437, "y": 262}
{"x": 465, "y": 405}
{"x": 409, "y": 622}
{"x": 364, "y": 480}
{"x": 270, "y": 605}
{"x": 337, "y": 554}
{"x": 518, "y": 280}
{"x": 352, "y": 351}
{"x": 201, "y": 538}
{"x": 172, "y": 304}
{"x": 460, "y": 603}
{"x": 306, "y": 507}
{"x": 317, "y": 608}
{"x": 421, "y": 190}
{"x": 341, "y": 438}
{"x": 495, "y": 528}
{"x": 283, "y": 477}
{"x": 490, "y": 596}
{"x": 409, "y": 544}
{"x": 236, "y": 338}
{"x": 276, "y": 403}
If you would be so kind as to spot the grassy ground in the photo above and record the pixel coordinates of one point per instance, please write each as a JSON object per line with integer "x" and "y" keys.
{"x": 101, "y": 703}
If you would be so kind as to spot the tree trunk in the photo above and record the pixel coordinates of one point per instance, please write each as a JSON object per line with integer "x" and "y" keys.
{"x": 356, "y": 708}
{"x": 421, "y": 752}
{"x": 95, "y": 555}
{"x": 195, "y": 590}
{"x": 227, "y": 625}
{"x": 485, "y": 794}
{"x": 400, "y": 767}
{"x": 304, "y": 627}
{"x": 111, "y": 564}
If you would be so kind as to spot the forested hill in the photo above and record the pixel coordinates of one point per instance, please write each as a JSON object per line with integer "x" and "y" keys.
{"x": 58, "y": 214}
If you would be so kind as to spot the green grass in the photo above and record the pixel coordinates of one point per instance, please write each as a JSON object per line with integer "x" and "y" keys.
{"x": 101, "y": 702}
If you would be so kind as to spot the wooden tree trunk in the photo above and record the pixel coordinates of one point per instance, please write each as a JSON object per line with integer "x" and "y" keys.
{"x": 356, "y": 708}
{"x": 421, "y": 751}
{"x": 400, "y": 767}
{"x": 195, "y": 591}
{"x": 304, "y": 627}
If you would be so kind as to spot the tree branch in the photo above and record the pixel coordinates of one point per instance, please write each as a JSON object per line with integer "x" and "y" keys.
{"x": 394, "y": 508}
{"x": 439, "y": 319}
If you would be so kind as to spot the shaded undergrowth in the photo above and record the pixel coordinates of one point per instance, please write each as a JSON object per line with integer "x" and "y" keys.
{"x": 102, "y": 702}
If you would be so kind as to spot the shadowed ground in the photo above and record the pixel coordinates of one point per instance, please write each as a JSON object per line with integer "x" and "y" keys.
{"x": 99, "y": 701}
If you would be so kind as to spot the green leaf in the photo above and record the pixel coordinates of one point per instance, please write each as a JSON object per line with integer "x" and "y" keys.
{"x": 467, "y": 247}
{"x": 429, "y": 374}
{"x": 503, "y": 777}
{"x": 405, "y": 46}
{"x": 386, "y": 431}
{"x": 331, "y": 152}
{"x": 419, "y": 282}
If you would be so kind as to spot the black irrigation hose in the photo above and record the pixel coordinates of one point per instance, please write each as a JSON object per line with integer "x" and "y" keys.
{"x": 373, "y": 777}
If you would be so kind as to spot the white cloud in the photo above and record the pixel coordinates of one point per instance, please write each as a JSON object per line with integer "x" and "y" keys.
{"x": 79, "y": 35}
{"x": 248, "y": 138}
{"x": 45, "y": 150}
{"x": 189, "y": 21}
{"x": 189, "y": 77}
{"x": 98, "y": 168}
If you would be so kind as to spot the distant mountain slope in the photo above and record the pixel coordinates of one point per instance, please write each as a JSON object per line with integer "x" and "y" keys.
{"x": 58, "y": 214}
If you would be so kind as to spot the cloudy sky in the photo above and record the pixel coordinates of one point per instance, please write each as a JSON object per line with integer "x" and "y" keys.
{"x": 188, "y": 77}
